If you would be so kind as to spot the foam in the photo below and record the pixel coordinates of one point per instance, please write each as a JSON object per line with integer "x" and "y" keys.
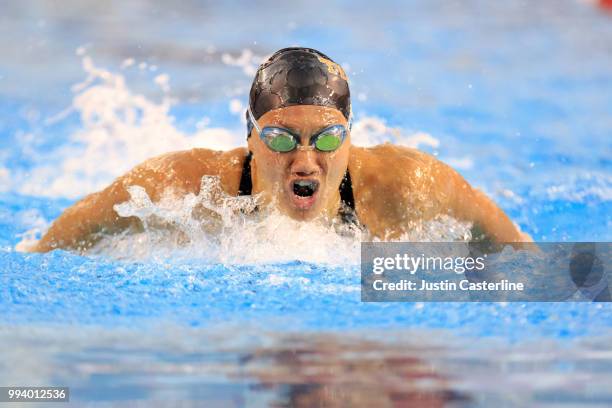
{"x": 582, "y": 188}
{"x": 119, "y": 129}
{"x": 247, "y": 61}
{"x": 215, "y": 227}
{"x": 372, "y": 130}
{"x": 35, "y": 224}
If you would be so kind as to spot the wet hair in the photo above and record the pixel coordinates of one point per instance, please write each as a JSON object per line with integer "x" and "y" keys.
{"x": 299, "y": 76}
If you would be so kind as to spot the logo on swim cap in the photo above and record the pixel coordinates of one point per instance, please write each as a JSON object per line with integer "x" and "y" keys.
{"x": 334, "y": 68}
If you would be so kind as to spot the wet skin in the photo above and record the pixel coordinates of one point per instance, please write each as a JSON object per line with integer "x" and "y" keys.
{"x": 394, "y": 186}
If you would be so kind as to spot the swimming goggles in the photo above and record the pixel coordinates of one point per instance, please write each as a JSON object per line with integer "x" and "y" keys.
{"x": 283, "y": 140}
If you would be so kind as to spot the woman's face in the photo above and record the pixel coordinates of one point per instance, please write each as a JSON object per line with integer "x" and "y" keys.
{"x": 303, "y": 184}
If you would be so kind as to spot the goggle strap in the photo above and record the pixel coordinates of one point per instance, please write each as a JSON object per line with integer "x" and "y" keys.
{"x": 253, "y": 120}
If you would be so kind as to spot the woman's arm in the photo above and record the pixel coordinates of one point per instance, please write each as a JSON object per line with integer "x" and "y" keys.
{"x": 83, "y": 224}
{"x": 470, "y": 204}
{"x": 80, "y": 225}
{"x": 396, "y": 187}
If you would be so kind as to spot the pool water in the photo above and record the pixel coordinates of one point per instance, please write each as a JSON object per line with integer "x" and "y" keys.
{"x": 517, "y": 97}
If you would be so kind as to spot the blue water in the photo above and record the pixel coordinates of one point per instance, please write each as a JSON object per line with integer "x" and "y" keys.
{"x": 519, "y": 98}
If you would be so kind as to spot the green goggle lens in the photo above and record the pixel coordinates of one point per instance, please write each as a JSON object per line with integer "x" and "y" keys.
{"x": 328, "y": 142}
{"x": 281, "y": 143}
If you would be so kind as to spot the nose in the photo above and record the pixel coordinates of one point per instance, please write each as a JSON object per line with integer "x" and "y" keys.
{"x": 305, "y": 163}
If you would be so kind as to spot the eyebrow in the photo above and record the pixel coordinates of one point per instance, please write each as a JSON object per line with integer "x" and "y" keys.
{"x": 289, "y": 126}
{"x": 285, "y": 126}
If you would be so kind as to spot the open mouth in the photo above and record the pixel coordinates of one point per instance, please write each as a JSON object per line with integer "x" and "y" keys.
{"x": 304, "y": 193}
{"x": 305, "y": 188}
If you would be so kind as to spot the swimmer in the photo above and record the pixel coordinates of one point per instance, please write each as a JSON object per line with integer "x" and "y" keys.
{"x": 299, "y": 158}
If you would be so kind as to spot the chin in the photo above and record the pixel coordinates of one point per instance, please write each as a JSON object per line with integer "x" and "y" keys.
{"x": 303, "y": 209}
{"x": 303, "y": 215}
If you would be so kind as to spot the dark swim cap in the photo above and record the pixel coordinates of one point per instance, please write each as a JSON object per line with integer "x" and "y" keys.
{"x": 299, "y": 76}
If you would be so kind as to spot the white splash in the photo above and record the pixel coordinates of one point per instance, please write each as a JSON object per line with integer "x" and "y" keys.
{"x": 120, "y": 129}
{"x": 371, "y": 131}
{"x": 34, "y": 224}
{"x": 214, "y": 227}
{"x": 582, "y": 188}
{"x": 247, "y": 60}
{"x": 443, "y": 228}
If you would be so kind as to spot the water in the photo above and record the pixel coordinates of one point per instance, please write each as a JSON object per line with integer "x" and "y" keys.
{"x": 515, "y": 96}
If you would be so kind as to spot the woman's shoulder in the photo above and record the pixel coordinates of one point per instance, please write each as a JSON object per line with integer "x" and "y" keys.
{"x": 394, "y": 185}
{"x": 394, "y": 166}
{"x": 385, "y": 153}
{"x": 183, "y": 170}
